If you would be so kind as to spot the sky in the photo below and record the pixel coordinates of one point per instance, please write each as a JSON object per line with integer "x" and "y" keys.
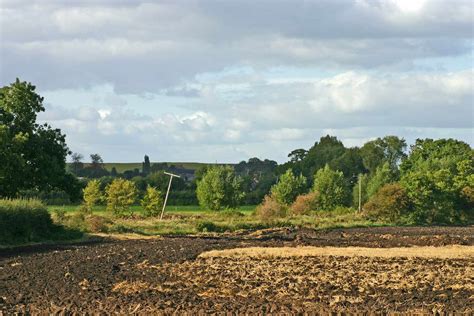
{"x": 224, "y": 81}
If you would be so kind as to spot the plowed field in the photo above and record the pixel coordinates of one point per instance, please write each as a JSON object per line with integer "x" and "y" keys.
{"x": 369, "y": 270}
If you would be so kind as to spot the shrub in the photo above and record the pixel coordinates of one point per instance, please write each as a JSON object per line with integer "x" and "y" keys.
{"x": 152, "y": 202}
{"x": 92, "y": 195}
{"x": 288, "y": 187}
{"x": 468, "y": 194}
{"x": 24, "y": 220}
{"x": 390, "y": 203}
{"x": 219, "y": 188}
{"x": 97, "y": 224}
{"x": 76, "y": 221}
{"x": 270, "y": 208}
{"x": 59, "y": 215}
{"x": 331, "y": 187}
{"x": 120, "y": 194}
{"x": 305, "y": 203}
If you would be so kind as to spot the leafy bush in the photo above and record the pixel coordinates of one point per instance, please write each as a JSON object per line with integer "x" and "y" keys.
{"x": 97, "y": 224}
{"x": 288, "y": 187}
{"x": 120, "y": 194}
{"x": 24, "y": 220}
{"x": 270, "y": 209}
{"x": 434, "y": 177}
{"x": 219, "y": 188}
{"x": 92, "y": 195}
{"x": 152, "y": 202}
{"x": 468, "y": 194}
{"x": 305, "y": 203}
{"x": 331, "y": 187}
{"x": 390, "y": 203}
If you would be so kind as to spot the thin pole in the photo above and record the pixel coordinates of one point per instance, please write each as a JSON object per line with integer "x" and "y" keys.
{"x": 166, "y": 198}
{"x": 360, "y": 192}
{"x": 168, "y": 192}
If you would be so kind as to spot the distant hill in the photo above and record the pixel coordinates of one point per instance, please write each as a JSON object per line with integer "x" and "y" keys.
{"x": 123, "y": 166}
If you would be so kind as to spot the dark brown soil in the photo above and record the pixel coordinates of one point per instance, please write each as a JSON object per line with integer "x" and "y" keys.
{"x": 164, "y": 276}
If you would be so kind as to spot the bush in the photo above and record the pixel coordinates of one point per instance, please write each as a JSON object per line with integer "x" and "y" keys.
{"x": 331, "y": 187}
{"x": 270, "y": 209}
{"x": 120, "y": 194}
{"x": 24, "y": 220}
{"x": 468, "y": 194}
{"x": 152, "y": 202}
{"x": 97, "y": 224}
{"x": 59, "y": 215}
{"x": 390, "y": 203}
{"x": 305, "y": 203}
{"x": 288, "y": 187}
{"x": 219, "y": 188}
{"x": 92, "y": 195}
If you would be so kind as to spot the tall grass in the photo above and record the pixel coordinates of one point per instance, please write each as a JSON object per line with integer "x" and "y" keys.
{"x": 28, "y": 220}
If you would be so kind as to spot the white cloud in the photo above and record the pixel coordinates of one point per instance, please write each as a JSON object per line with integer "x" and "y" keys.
{"x": 230, "y": 79}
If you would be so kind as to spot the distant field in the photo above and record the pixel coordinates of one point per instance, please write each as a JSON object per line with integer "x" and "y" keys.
{"x": 124, "y": 166}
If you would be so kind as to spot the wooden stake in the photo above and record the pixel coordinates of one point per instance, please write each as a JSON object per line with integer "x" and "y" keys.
{"x": 168, "y": 192}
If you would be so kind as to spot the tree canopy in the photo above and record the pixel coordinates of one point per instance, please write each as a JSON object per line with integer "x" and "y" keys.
{"x": 33, "y": 155}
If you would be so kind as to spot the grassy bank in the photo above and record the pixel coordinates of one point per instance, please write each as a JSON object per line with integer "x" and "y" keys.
{"x": 194, "y": 220}
{"x": 24, "y": 221}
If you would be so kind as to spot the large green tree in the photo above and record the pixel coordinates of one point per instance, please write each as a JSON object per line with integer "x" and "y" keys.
{"x": 33, "y": 155}
{"x": 331, "y": 187}
{"x": 390, "y": 149}
{"x": 436, "y": 176}
{"x": 219, "y": 188}
{"x": 288, "y": 187}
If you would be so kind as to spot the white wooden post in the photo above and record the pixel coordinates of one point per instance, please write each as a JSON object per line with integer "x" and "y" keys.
{"x": 168, "y": 192}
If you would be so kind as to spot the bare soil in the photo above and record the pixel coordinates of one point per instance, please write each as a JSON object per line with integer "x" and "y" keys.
{"x": 166, "y": 275}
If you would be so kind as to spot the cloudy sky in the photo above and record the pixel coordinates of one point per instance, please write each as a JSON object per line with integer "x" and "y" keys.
{"x": 229, "y": 80}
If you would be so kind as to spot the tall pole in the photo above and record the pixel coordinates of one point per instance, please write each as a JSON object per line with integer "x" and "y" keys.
{"x": 360, "y": 192}
{"x": 167, "y": 192}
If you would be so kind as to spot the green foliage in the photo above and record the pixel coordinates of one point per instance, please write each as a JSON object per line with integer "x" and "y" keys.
{"x": 33, "y": 156}
{"x": 288, "y": 187}
{"x": 383, "y": 175}
{"x": 305, "y": 203}
{"x": 331, "y": 187}
{"x": 434, "y": 176}
{"x": 120, "y": 194}
{"x": 92, "y": 195}
{"x": 390, "y": 149}
{"x": 219, "y": 188}
{"x": 152, "y": 202}
{"x": 23, "y": 221}
{"x": 390, "y": 203}
{"x": 270, "y": 209}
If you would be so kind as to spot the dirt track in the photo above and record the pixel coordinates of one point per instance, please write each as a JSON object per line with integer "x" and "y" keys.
{"x": 165, "y": 275}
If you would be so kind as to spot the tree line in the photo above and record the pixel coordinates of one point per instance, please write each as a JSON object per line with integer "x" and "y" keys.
{"x": 431, "y": 181}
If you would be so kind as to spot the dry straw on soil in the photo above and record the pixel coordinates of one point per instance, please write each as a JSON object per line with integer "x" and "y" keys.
{"x": 446, "y": 252}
